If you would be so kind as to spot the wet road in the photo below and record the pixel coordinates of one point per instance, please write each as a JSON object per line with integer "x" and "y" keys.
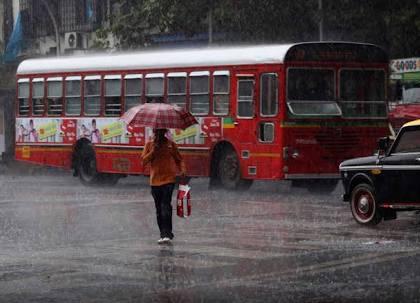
{"x": 63, "y": 242}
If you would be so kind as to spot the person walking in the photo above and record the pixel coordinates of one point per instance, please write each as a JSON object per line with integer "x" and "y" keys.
{"x": 164, "y": 158}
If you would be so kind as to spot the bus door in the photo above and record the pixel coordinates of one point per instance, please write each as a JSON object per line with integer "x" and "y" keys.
{"x": 257, "y": 120}
{"x": 245, "y": 110}
{"x": 268, "y": 153}
{"x": 245, "y": 126}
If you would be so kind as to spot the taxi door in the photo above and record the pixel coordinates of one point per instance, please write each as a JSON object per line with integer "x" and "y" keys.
{"x": 401, "y": 168}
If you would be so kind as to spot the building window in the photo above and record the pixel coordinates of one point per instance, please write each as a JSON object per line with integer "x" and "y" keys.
{"x": 55, "y": 96}
{"x": 269, "y": 93}
{"x": 246, "y": 98}
{"x": 154, "y": 88}
{"x": 221, "y": 92}
{"x": 92, "y": 93}
{"x": 113, "y": 95}
{"x": 133, "y": 90}
{"x": 177, "y": 87}
{"x": 199, "y": 91}
{"x": 73, "y": 96}
{"x": 23, "y": 97}
{"x": 38, "y": 105}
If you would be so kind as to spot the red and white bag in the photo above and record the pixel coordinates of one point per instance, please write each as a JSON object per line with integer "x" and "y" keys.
{"x": 183, "y": 201}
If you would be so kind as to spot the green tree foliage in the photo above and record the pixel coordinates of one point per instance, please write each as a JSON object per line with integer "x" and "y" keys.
{"x": 395, "y": 25}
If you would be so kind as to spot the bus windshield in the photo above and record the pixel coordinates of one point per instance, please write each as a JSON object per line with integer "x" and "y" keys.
{"x": 362, "y": 93}
{"x": 311, "y": 92}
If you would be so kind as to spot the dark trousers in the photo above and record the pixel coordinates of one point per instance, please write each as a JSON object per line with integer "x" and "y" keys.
{"x": 163, "y": 196}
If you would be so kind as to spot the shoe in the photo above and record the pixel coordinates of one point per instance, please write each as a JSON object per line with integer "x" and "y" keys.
{"x": 160, "y": 241}
{"x": 165, "y": 240}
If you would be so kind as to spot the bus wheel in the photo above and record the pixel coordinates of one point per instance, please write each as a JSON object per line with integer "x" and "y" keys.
{"x": 363, "y": 205}
{"x": 87, "y": 166}
{"x": 229, "y": 172}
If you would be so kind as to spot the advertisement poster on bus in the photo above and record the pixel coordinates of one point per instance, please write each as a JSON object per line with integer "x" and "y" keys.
{"x": 110, "y": 131}
{"x": 197, "y": 134}
{"x": 68, "y": 130}
{"x": 104, "y": 131}
{"x": 38, "y": 130}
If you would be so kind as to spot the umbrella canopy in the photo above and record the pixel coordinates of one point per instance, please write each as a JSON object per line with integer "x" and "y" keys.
{"x": 159, "y": 115}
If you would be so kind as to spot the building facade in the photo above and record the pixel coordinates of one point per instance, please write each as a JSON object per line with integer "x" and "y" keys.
{"x": 59, "y": 27}
{"x": 7, "y": 72}
{"x": 35, "y": 28}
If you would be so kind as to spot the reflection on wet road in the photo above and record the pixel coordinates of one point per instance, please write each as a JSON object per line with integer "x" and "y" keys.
{"x": 63, "y": 242}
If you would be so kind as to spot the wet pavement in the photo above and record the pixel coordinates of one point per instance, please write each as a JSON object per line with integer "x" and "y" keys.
{"x": 63, "y": 242}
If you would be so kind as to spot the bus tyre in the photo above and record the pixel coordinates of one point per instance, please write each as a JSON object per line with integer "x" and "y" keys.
{"x": 229, "y": 172}
{"x": 87, "y": 166}
{"x": 363, "y": 205}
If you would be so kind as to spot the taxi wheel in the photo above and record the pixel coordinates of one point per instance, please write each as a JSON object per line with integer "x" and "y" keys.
{"x": 363, "y": 205}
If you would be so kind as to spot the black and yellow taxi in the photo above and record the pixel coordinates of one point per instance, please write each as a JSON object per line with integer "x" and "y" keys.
{"x": 379, "y": 186}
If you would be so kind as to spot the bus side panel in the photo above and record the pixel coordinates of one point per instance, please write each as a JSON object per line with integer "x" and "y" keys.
{"x": 55, "y": 156}
{"x": 128, "y": 161}
{"x": 257, "y": 161}
{"x": 196, "y": 162}
{"x": 118, "y": 160}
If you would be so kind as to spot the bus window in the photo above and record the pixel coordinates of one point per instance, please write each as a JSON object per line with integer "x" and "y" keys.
{"x": 311, "y": 92}
{"x": 266, "y": 132}
{"x": 133, "y": 90}
{"x": 199, "y": 91}
{"x": 362, "y": 93}
{"x": 246, "y": 98}
{"x": 177, "y": 87}
{"x": 221, "y": 92}
{"x": 154, "y": 88}
{"x": 269, "y": 93}
{"x": 113, "y": 95}
{"x": 38, "y": 105}
{"x": 310, "y": 84}
{"x": 92, "y": 93}
{"x": 73, "y": 96}
{"x": 23, "y": 97}
{"x": 54, "y": 96}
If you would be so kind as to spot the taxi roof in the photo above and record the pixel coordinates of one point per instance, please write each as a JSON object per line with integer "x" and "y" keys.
{"x": 412, "y": 123}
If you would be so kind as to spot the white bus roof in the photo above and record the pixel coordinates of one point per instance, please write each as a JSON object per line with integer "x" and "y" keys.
{"x": 158, "y": 59}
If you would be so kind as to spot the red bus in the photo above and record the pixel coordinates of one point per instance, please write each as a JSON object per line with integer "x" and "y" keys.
{"x": 267, "y": 112}
{"x": 405, "y": 91}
